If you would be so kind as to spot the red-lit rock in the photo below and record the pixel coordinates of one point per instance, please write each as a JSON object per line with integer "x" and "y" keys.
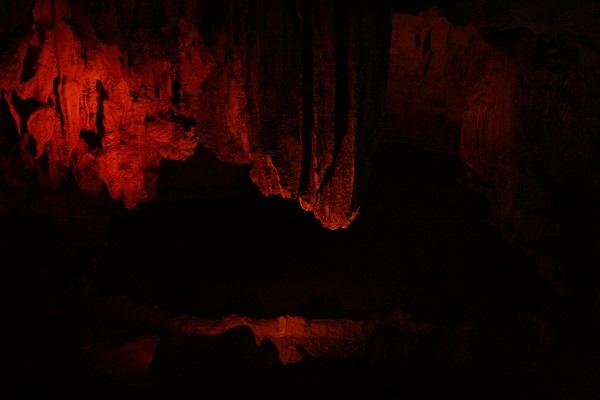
{"x": 294, "y": 89}
{"x": 295, "y": 337}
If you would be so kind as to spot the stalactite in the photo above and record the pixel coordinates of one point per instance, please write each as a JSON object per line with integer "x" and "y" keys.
{"x": 105, "y": 114}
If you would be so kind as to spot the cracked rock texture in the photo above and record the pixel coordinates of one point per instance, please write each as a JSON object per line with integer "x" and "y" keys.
{"x": 101, "y": 92}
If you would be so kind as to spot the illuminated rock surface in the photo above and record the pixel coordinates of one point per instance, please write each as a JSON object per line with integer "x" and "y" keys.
{"x": 295, "y": 90}
{"x": 190, "y": 113}
{"x": 295, "y": 337}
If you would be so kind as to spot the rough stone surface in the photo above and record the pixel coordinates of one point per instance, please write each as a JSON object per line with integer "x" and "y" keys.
{"x": 295, "y": 337}
{"x": 516, "y": 100}
{"x": 103, "y": 93}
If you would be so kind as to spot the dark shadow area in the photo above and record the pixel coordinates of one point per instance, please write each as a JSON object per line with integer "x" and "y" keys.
{"x": 470, "y": 272}
{"x": 421, "y": 244}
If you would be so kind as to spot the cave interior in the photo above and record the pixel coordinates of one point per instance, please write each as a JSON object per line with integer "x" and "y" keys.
{"x": 300, "y": 198}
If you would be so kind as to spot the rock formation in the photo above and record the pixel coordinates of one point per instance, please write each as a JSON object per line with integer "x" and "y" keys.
{"x": 516, "y": 101}
{"x": 102, "y": 92}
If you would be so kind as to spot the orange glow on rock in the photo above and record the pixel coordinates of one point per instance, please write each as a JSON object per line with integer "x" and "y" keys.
{"x": 109, "y": 114}
{"x": 295, "y": 337}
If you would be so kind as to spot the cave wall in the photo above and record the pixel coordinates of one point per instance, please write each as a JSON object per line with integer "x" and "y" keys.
{"x": 434, "y": 66}
{"x": 518, "y": 103}
{"x": 101, "y": 92}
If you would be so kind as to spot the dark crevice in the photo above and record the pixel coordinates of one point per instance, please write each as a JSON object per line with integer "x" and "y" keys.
{"x": 212, "y": 19}
{"x": 156, "y": 90}
{"x": 341, "y": 86}
{"x": 187, "y": 122}
{"x": 74, "y": 26}
{"x": 376, "y": 46}
{"x": 307, "y": 97}
{"x": 55, "y": 86}
{"x": 24, "y": 108}
{"x": 91, "y": 138}
{"x": 30, "y": 63}
{"x": 20, "y": 26}
{"x": 176, "y": 89}
{"x": 102, "y": 96}
{"x": 43, "y": 161}
{"x": 427, "y": 42}
{"x": 30, "y": 145}
{"x": 8, "y": 127}
{"x": 506, "y": 39}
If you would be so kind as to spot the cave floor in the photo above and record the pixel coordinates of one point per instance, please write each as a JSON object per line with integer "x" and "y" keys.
{"x": 95, "y": 294}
